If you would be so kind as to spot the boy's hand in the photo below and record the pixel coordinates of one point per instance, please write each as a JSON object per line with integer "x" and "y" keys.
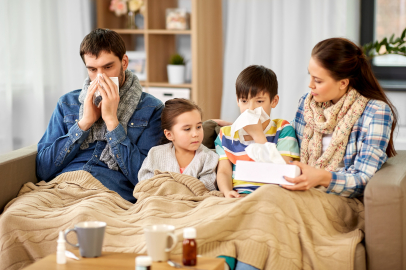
{"x": 257, "y": 132}
{"x": 232, "y": 194}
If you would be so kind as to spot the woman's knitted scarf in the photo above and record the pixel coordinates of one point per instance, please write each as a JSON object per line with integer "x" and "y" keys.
{"x": 326, "y": 118}
{"x": 130, "y": 94}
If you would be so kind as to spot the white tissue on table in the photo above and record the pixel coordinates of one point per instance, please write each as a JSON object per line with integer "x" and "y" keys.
{"x": 266, "y": 153}
{"x": 71, "y": 255}
{"x": 249, "y": 117}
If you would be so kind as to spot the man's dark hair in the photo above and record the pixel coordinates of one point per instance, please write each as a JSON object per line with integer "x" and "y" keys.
{"x": 102, "y": 40}
{"x": 254, "y": 80}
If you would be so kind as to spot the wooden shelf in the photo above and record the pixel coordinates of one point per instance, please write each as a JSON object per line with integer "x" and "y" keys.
{"x": 153, "y": 31}
{"x": 165, "y": 84}
{"x": 206, "y": 41}
{"x": 169, "y": 32}
{"x": 130, "y": 31}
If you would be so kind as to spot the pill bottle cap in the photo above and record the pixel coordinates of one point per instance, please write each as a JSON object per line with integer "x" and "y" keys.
{"x": 143, "y": 261}
{"x": 61, "y": 238}
{"x": 189, "y": 233}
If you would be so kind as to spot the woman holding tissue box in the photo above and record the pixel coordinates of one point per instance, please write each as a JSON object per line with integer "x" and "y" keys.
{"x": 345, "y": 124}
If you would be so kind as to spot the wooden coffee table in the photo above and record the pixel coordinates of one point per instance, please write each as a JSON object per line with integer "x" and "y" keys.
{"x": 122, "y": 261}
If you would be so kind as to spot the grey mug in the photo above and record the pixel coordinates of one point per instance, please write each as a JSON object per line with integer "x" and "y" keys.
{"x": 90, "y": 236}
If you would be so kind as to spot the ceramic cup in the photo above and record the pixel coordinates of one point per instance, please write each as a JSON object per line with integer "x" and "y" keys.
{"x": 90, "y": 236}
{"x": 160, "y": 239}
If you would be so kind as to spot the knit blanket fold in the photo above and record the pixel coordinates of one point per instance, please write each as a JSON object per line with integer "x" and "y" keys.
{"x": 272, "y": 228}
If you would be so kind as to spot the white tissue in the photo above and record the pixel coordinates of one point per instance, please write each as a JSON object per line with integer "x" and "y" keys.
{"x": 249, "y": 117}
{"x": 97, "y": 93}
{"x": 266, "y": 153}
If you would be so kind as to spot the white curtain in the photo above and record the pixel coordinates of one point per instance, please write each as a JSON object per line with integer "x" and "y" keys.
{"x": 39, "y": 62}
{"x": 280, "y": 35}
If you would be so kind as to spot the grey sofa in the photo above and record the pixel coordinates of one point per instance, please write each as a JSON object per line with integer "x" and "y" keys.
{"x": 385, "y": 207}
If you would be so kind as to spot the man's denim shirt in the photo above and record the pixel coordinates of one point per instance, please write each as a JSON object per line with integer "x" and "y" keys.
{"x": 59, "y": 149}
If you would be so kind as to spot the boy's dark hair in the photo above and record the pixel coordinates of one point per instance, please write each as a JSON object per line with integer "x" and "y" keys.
{"x": 254, "y": 80}
{"x": 173, "y": 108}
{"x": 102, "y": 40}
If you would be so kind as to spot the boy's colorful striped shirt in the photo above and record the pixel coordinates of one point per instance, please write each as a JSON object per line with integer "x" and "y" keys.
{"x": 278, "y": 131}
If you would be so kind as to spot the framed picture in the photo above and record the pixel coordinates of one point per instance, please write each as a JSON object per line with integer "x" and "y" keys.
{"x": 177, "y": 19}
{"x": 136, "y": 64}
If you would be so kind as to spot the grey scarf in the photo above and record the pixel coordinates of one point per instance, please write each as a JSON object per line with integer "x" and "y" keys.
{"x": 130, "y": 94}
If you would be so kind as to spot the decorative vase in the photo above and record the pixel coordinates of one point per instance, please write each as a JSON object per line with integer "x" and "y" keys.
{"x": 131, "y": 20}
{"x": 176, "y": 74}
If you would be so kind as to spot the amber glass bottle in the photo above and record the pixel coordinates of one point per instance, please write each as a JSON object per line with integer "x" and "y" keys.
{"x": 189, "y": 247}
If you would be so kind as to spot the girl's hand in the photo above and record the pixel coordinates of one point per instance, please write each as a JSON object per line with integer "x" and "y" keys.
{"x": 309, "y": 178}
{"x": 232, "y": 194}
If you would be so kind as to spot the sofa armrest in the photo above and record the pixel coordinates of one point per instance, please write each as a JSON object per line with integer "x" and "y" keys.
{"x": 385, "y": 213}
{"x": 16, "y": 169}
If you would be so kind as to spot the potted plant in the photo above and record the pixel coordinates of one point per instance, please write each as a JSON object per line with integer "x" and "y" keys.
{"x": 391, "y": 46}
{"x": 176, "y": 69}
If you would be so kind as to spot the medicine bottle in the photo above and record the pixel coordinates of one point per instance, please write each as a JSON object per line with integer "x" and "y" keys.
{"x": 143, "y": 263}
{"x": 189, "y": 247}
{"x": 60, "y": 249}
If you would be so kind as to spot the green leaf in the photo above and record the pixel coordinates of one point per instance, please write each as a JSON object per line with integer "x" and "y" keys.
{"x": 377, "y": 47}
{"x": 177, "y": 59}
{"x": 403, "y": 34}
{"x": 391, "y": 38}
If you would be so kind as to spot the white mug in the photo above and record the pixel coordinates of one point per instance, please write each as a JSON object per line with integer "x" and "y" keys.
{"x": 159, "y": 238}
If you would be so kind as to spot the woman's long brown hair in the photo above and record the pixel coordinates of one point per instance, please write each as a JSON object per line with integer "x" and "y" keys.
{"x": 345, "y": 60}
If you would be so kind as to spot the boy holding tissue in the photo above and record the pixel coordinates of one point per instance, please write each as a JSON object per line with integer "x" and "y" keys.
{"x": 254, "y": 136}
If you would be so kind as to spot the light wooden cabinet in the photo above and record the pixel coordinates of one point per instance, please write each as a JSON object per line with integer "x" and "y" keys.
{"x": 206, "y": 47}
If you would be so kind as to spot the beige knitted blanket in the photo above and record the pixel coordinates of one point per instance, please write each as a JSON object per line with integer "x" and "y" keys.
{"x": 270, "y": 229}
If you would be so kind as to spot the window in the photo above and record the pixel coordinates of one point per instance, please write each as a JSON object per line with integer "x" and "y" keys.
{"x": 379, "y": 19}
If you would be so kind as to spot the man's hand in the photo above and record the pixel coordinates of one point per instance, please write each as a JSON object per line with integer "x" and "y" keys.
{"x": 111, "y": 98}
{"x": 256, "y": 131}
{"x": 232, "y": 194}
{"x": 309, "y": 178}
{"x": 222, "y": 123}
{"x": 90, "y": 111}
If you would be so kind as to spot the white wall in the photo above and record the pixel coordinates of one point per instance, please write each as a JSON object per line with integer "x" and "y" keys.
{"x": 398, "y": 98}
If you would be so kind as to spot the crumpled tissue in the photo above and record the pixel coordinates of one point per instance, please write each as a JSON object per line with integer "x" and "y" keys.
{"x": 249, "y": 117}
{"x": 266, "y": 153}
{"x": 97, "y": 98}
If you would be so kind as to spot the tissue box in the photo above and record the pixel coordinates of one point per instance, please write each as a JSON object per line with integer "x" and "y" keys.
{"x": 265, "y": 172}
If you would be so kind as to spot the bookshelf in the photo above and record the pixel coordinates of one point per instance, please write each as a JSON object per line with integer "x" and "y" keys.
{"x": 206, "y": 47}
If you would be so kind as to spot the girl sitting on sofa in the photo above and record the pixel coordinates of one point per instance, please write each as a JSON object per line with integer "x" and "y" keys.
{"x": 181, "y": 148}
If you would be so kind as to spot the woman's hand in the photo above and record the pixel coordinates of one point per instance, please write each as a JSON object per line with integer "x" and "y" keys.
{"x": 309, "y": 178}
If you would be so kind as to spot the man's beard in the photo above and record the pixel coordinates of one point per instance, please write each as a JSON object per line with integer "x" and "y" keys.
{"x": 121, "y": 77}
